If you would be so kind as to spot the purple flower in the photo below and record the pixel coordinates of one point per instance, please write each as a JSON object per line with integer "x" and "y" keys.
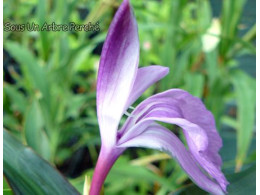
{"x": 120, "y": 82}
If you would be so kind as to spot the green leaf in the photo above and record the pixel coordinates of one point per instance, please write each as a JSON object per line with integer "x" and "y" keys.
{"x": 27, "y": 173}
{"x": 245, "y": 90}
{"x": 194, "y": 83}
{"x": 32, "y": 71}
{"x": 6, "y": 188}
{"x": 240, "y": 184}
{"x": 204, "y": 14}
{"x": 188, "y": 190}
{"x": 230, "y": 17}
{"x": 74, "y": 105}
{"x": 42, "y": 13}
{"x": 122, "y": 171}
{"x": 211, "y": 59}
{"x": 17, "y": 98}
{"x": 229, "y": 121}
{"x": 169, "y": 52}
{"x": 34, "y": 132}
{"x": 243, "y": 182}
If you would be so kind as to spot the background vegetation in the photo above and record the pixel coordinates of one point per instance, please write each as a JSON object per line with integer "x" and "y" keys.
{"x": 49, "y": 92}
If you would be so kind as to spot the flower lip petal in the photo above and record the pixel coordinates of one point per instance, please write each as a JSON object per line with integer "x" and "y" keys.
{"x": 190, "y": 114}
{"x": 117, "y": 71}
{"x": 158, "y": 137}
{"x": 190, "y": 108}
{"x": 196, "y": 135}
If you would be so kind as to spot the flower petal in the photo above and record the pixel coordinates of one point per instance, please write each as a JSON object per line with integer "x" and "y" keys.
{"x": 157, "y": 137}
{"x": 179, "y": 107}
{"x": 145, "y": 77}
{"x": 117, "y": 71}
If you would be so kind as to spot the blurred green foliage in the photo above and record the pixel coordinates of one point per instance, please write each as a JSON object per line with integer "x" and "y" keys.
{"x": 50, "y": 78}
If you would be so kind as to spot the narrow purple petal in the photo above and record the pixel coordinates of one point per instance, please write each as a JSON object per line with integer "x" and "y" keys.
{"x": 157, "y": 137}
{"x": 179, "y": 107}
{"x": 117, "y": 71}
{"x": 145, "y": 77}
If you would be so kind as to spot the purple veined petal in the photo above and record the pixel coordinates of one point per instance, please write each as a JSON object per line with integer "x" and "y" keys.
{"x": 157, "y": 137}
{"x": 165, "y": 110}
{"x": 117, "y": 71}
{"x": 142, "y": 110}
{"x": 179, "y": 107}
{"x": 188, "y": 107}
{"x": 145, "y": 77}
{"x": 196, "y": 134}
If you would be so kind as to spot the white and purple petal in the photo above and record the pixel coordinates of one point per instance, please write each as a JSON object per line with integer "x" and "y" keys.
{"x": 117, "y": 71}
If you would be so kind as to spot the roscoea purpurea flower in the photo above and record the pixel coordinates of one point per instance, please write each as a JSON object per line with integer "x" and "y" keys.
{"x": 120, "y": 82}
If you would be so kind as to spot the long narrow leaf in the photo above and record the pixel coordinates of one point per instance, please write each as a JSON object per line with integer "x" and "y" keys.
{"x": 27, "y": 173}
{"x": 245, "y": 90}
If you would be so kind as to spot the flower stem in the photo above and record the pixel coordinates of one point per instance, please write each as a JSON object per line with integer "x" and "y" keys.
{"x": 106, "y": 159}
